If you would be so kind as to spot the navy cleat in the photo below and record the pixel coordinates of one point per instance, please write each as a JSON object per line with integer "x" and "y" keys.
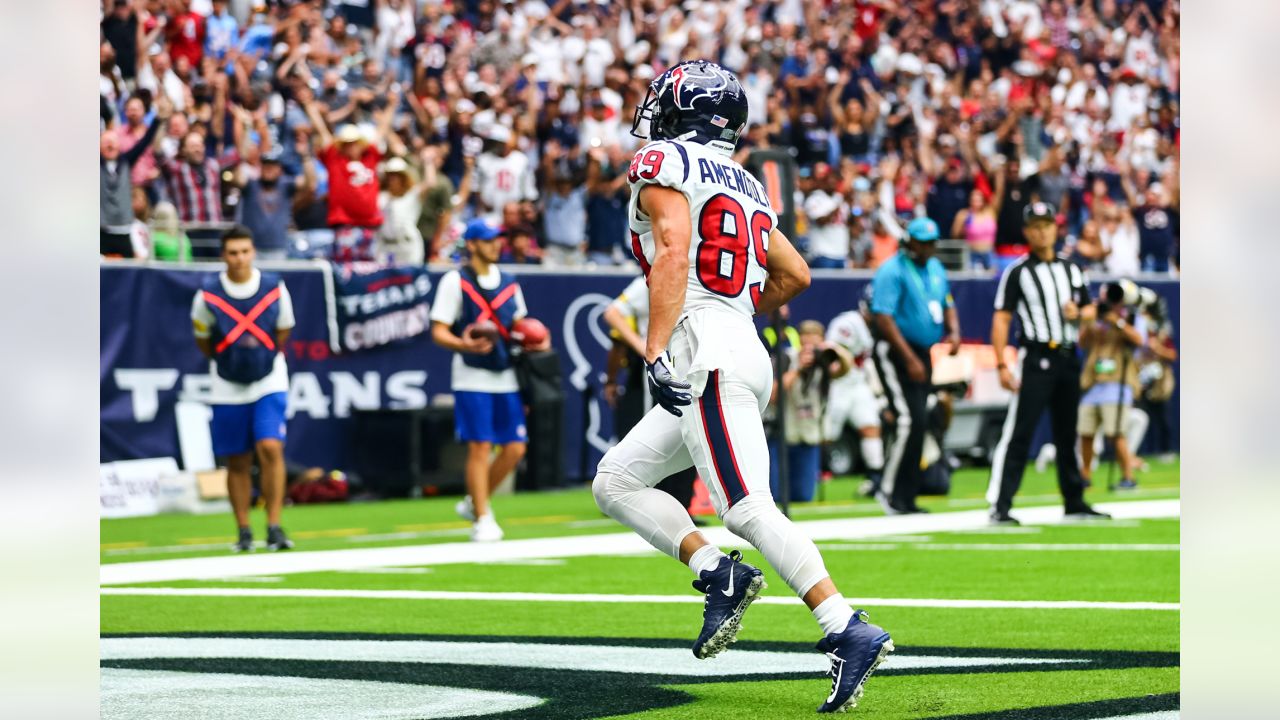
{"x": 244, "y": 543}
{"x": 730, "y": 590}
{"x": 855, "y": 653}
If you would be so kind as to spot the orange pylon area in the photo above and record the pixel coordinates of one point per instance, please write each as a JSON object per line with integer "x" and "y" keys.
{"x": 701, "y": 502}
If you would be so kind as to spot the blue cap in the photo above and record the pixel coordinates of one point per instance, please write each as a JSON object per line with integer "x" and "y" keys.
{"x": 479, "y": 230}
{"x": 922, "y": 229}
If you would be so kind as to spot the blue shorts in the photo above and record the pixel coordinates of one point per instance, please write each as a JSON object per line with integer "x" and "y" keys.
{"x": 237, "y": 428}
{"x": 496, "y": 418}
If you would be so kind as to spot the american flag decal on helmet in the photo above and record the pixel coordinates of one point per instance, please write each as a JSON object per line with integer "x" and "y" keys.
{"x": 719, "y": 121}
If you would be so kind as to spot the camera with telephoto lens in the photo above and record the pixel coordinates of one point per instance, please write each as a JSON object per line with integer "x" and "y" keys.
{"x": 1126, "y": 294}
{"x": 824, "y": 357}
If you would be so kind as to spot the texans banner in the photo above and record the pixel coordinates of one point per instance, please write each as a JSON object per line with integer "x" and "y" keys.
{"x": 149, "y": 360}
{"x": 378, "y": 305}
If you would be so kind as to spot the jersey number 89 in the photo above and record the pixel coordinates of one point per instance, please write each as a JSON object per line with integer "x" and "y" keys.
{"x": 726, "y": 239}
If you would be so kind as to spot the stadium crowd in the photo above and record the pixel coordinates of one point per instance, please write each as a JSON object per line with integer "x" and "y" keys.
{"x": 377, "y": 129}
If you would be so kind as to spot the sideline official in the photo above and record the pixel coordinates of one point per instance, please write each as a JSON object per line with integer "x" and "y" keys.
{"x": 912, "y": 307}
{"x": 241, "y": 319}
{"x": 1051, "y": 299}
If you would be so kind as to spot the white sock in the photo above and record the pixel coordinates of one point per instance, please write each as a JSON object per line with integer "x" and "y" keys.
{"x": 833, "y": 614}
{"x": 873, "y": 453}
{"x": 706, "y": 558}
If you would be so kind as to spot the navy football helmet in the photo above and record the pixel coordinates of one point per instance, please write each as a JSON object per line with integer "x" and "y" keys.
{"x": 696, "y": 100}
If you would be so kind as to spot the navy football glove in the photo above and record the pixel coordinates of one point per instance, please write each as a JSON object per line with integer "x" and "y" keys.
{"x": 665, "y": 388}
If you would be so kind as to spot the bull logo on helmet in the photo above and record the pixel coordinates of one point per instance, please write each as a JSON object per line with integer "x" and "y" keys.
{"x": 714, "y": 82}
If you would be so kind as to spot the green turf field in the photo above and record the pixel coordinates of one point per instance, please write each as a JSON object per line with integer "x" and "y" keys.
{"x": 1049, "y": 620}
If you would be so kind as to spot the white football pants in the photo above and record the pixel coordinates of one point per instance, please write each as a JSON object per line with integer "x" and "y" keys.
{"x": 722, "y": 435}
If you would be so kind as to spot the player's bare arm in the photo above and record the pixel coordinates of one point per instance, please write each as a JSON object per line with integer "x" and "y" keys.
{"x": 999, "y": 341}
{"x": 668, "y": 210}
{"x": 788, "y": 274}
{"x": 443, "y": 335}
{"x": 619, "y": 322}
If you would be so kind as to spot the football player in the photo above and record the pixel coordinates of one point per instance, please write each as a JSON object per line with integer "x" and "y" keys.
{"x": 852, "y": 398}
{"x": 705, "y": 235}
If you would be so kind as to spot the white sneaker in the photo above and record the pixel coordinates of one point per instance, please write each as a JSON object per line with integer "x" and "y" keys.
{"x": 486, "y": 530}
{"x": 466, "y": 509}
{"x": 1048, "y": 453}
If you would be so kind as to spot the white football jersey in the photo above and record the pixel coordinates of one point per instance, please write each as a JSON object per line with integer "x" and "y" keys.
{"x": 503, "y": 179}
{"x": 849, "y": 330}
{"x": 731, "y": 219}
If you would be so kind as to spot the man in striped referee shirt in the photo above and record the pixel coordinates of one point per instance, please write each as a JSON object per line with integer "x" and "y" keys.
{"x": 1050, "y": 296}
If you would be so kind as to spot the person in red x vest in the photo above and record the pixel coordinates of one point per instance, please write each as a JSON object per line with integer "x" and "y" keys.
{"x": 475, "y": 307}
{"x": 242, "y": 318}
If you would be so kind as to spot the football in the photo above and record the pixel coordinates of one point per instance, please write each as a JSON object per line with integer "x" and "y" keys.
{"x": 529, "y": 332}
{"x": 486, "y": 329}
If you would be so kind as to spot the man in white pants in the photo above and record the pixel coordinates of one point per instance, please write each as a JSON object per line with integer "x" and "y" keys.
{"x": 703, "y": 232}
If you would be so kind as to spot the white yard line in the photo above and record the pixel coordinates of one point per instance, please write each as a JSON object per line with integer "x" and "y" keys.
{"x": 1013, "y": 547}
{"x": 605, "y": 598}
{"x": 622, "y": 543}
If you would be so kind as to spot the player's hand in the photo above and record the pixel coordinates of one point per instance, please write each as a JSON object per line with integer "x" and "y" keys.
{"x": 915, "y": 370}
{"x": 1070, "y": 311}
{"x": 666, "y": 389}
{"x": 611, "y": 394}
{"x": 1007, "y": 380}
{"x": 953, "y": 341}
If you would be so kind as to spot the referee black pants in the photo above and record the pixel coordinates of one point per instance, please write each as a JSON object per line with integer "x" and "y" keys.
{"x": 909, "y": 400}
{"x": 1050, "y": 378}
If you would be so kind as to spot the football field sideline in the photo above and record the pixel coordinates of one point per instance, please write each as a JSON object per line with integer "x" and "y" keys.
{"x": 620, "y": 543}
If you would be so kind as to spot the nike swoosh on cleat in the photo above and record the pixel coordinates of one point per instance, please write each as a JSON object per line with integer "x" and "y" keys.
{"x": 729, "y": 592}
{"x": 835, "y": 686}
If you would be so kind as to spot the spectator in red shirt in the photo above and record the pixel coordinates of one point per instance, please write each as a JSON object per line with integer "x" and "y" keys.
{"x": 185, "y": 33}
{"x": 352, "y": 163}
{"x": 867, "y": 24}
{"x": 194, "y": 182}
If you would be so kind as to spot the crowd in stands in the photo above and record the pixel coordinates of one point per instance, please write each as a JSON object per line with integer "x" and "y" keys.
{"x": 377, "y": 129}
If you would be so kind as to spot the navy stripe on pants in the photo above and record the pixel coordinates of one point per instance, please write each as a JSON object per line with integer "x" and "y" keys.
{"x": 717, "y": 431}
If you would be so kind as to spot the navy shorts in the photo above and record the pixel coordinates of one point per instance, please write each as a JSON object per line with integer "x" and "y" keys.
{"x": 237, "y": 428}
{"x": 496, "y": 418}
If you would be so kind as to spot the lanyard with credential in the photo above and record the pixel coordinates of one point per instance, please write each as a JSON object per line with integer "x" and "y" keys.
{"x": 929, "y": 304}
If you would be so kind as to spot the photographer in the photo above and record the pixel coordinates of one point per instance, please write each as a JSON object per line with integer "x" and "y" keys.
{"x": 814, "y": 365}
{"x": 1155, "y": 361}
{"x": 1109, "y": 381}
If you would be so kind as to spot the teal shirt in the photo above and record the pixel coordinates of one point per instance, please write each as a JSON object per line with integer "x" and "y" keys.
{"x": 914, "y": 297}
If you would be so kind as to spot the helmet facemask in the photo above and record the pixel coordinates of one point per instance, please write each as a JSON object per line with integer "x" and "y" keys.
{"x": 645, "y": 112}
